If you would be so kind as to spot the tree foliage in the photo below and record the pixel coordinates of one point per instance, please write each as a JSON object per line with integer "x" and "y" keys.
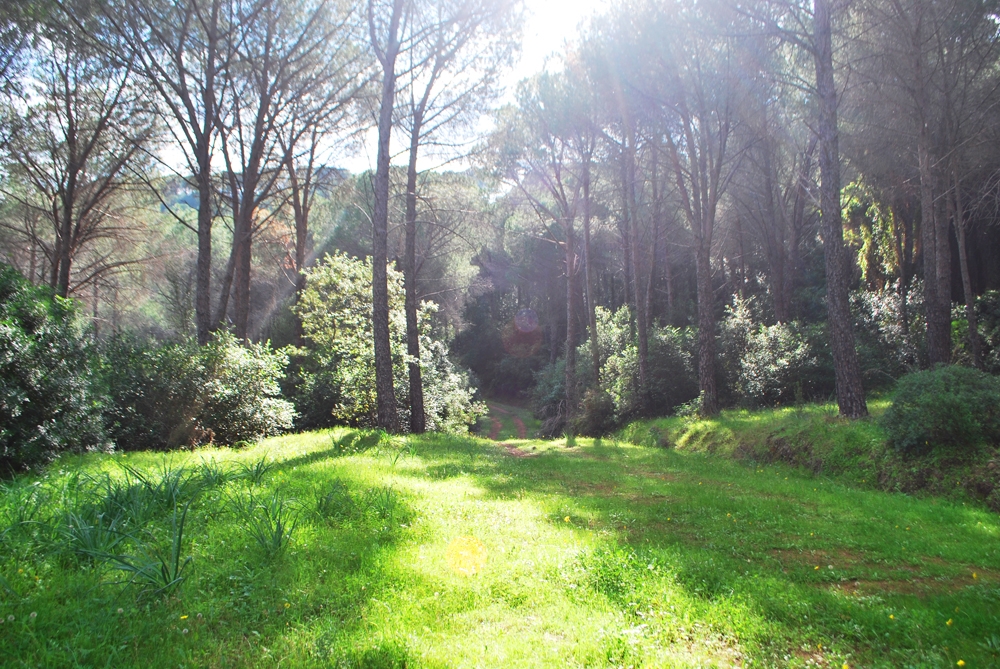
{"x": 338, "y": 379}
{"x": 49, "y": 403}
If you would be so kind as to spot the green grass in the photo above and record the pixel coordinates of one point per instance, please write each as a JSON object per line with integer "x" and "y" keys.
{"x": 587, "y": 554}
{"x": 810, "y": 436}
{"x": 815, "y": 439}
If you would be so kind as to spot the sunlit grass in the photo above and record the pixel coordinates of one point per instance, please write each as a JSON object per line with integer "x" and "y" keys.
{"x": 590, "y": 554}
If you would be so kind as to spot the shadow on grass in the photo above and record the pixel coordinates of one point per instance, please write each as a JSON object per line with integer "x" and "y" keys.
{"x": 236, "y": 604}
{"x": 830, "y": 565}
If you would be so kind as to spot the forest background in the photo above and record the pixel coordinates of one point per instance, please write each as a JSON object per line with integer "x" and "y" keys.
{"x": 695, "y": 206}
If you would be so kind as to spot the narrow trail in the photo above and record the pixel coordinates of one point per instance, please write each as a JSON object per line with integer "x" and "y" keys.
{"x": 505, "y": 424}
{"x": 495, "y": 427}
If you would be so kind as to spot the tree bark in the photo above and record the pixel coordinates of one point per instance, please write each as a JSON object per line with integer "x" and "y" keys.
{"x": 203, "y": 270}
{"x": 417, "y": 418}
{"x": 243, "y": 243}
{"x": 638, "y": 303}
{"x": 963, "y": 258}
{"x": 900, "y": 247}
{"x": 203, "y": 159}
{"x": 595, "y": 346}
{"x": 796, "y": 227}
{"x": 938, "y": 333}
{"x": 301, "y": 204}
{"x": 570, "y": 377}
{"x": 385, "y": 393}
{"x": 775, "y": 235}
{"x": 66, "y": 234}
{"x": 225, "y": 290}
{"x": 706, "y": 327}
{"x": 850, "y": 392}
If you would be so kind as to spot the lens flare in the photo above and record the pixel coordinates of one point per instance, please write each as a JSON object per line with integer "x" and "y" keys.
{"x": 466, "y": 556}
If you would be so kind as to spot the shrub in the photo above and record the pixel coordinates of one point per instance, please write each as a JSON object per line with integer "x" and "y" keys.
{"x": 597, "y": 414}
{"x": 163, "y": 396}
{"x": 671, "y": 379}
{"x": 448, "y": 390}
{"x": 548, "y": 398}
{"x": 949, "y": 407}
{"x": 338, "y": 370}
{"x": 887, "y": 350}
{"x": 780, "y": 366}
{"x": 155, "y": 392}
{"x": 48, "y": 401}
{"x": 988, "y": 314}
{"x": 243, "y": 401}
{"x": 766, "y": 365}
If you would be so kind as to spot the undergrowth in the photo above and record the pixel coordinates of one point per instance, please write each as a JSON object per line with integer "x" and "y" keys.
{"x": 813, "y": 438}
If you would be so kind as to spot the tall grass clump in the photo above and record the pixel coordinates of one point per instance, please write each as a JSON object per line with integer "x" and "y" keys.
{"x": 270, "y": 521}
{"x": 155, "y": 572}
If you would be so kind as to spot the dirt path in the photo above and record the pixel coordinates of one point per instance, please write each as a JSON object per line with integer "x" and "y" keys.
{"x": 516, "y": 452}
{"x": 511, "y": 425}
{"x": 495, "y": 426}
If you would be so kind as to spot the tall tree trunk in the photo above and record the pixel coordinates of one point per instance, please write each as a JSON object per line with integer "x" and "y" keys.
{"x": 776, "y": 281}
{"x": 850, "y": 392}
{"x": 595, "y": 346}
{"x": 657, "y": 215}
{"x": 570, "y": 377}
{"x": 904, "y": 278}
{"x": 301, "y": 193}
{"x": 243, "y": 243}
{"x": 668, "y": 277}
{"x": 54, "y": 268}
{"x": 65, "y": 245}
{"x": 203, "y": 159}
{"x": 963, "y": 258}
{"x": 706, "y": 326}
{"x": 638, "y": 302}
{"x": 775, "y": 236}
{"x": 942, "y": 258}
{"x": 417, "y": 418}
{"x": 67, "y": 202}
{"x": 651, "y": 275}
{"x": 627, "y": 266}
{"x": 795, "y": 228}
{"x": 203, "y": 271}
{"x": 385, "y": 393}
{"x": 226, "y": 289}
{"x": 938, "y": 351}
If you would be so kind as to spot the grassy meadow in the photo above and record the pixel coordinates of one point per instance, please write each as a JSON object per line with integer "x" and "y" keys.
{"x": 346, "y": 549}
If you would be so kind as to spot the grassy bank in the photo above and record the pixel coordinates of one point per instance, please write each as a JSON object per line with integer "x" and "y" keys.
{"x": 451, "y": 552}
{"x": 814, "y": 439}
